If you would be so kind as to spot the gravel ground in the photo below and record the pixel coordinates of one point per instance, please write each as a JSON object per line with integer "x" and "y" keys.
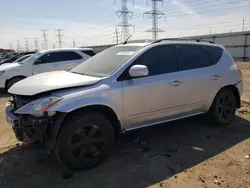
{"x": 188, "y": 153}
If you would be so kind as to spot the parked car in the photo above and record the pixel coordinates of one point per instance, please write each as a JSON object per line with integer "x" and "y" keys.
{"x": 15, "y": 57}
{"x": 22, "y": 58}
{"x": 79, "y": 113}
{"x": 7, "y": 56}
{"x": 43, "y": 61}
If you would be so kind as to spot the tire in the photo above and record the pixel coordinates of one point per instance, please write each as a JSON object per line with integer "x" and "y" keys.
{"x": 13, "y": 81}
{"x": 84, "y": 141}
{"x": 19, "y": 134}
{"x": 223, "y": 107}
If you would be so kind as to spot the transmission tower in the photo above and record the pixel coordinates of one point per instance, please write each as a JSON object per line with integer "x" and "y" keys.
{"x": 18, "y": 48}
{"x": 36, "y": 43}
{"x": 59, "y": 35}
{"x": 155, "y": 15}
{"x": 125, "y": 14}
{"x": 10, "y": 46}
{"x": 26, "y": 45}
{"x": 45, "y": 41}
{"x": 74, "y": 43}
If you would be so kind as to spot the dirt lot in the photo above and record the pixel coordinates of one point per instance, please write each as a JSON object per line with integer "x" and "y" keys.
{"x": 188, "y": 153}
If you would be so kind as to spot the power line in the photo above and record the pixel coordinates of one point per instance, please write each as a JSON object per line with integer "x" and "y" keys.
{"x": 26, "y": 45}
{"x": 45, "y": 41}
{"x": 155, "y": 14}
{"x": 125, "y": 14}
{"x": 59, "y": 35}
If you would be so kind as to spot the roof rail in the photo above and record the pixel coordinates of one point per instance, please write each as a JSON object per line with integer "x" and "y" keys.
{"x": 182, "y": 39}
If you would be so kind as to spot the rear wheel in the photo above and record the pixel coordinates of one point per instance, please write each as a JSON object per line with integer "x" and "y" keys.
{"x": 84, "y": 141}
{"x": 224, "y": 107}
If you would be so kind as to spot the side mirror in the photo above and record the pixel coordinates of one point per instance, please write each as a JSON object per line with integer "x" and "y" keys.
{"x": 138, "y": 71}
{"x": 38, "y": 61}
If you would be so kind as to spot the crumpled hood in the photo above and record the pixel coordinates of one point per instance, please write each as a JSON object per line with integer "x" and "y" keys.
{"x": 49, "y": 81}
{"x": 7, "y": 66}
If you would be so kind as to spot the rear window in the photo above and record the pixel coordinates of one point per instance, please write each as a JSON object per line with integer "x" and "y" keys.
{"x": 89, "y": 52}
{"x": 215, "y": 53}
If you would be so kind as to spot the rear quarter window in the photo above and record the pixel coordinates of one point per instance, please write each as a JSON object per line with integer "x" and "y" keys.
{"x": 215, "y": 53}
{"x": 89, "y": 52}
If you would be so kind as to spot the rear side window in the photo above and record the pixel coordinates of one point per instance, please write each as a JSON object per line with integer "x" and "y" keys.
{"x": 59, "y": 56}
{"x": 215, "y": 53}
{"x": 160, "y": 60}
{"x": 194, "y": 56}
{"x": 89, "y": 52}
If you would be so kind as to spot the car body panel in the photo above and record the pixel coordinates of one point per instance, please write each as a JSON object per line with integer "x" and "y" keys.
{"x": 51, "y": 81}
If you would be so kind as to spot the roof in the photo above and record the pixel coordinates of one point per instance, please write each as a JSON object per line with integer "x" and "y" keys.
{"x": 173, "y": 41}
{"x": 64, "y": 49}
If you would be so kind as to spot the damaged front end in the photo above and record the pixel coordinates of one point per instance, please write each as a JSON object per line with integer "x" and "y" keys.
{"x": 34, "y": 127}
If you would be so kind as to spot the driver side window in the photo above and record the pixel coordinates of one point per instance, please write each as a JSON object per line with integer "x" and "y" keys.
{"x": 160, "y": 59}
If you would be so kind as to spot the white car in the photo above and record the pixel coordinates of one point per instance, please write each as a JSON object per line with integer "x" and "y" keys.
{"x": 43, "y": 61}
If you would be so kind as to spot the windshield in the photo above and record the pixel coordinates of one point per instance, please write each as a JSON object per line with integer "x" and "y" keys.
{"x": 22, "y": 58}
{"x": 31, "y": 58}
{"x": 107, "y": 62}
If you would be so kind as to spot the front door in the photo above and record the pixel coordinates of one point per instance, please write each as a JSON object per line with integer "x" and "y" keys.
{"x": 156, "y": 97}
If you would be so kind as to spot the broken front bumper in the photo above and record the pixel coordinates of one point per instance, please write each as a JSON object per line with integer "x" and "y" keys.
{"x": 43, "y": 129}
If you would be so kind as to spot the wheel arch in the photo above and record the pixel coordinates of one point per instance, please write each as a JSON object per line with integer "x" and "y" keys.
{"x": 18, "y": 76}
{"x": 235, "y": 91}
{"x": 104, "y": 110}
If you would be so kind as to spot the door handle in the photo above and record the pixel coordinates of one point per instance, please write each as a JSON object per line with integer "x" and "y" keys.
{"x": 176, "y": 83}
{"x": 216, "y": 77}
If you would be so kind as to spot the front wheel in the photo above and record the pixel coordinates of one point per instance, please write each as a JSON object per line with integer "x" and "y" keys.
{"x": 84, "y": 141}
{"x": 223, "y": 107}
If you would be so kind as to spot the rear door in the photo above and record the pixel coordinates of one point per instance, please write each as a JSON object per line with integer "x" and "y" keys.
{"x": 64, "y": 60}
{"x": 199, "y": 84}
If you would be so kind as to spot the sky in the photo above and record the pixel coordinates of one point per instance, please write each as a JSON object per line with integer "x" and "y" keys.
{"x": 92, "y": 22}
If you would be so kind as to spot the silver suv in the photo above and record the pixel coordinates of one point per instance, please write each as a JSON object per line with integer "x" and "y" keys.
{"x": 130, "y": 86}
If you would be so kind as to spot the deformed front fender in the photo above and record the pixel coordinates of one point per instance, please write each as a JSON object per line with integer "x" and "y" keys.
{"x": 68, "y": 106}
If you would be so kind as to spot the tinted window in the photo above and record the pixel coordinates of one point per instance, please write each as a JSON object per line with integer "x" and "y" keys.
{"x": 89, "y": 52}
{"x": 215, "y": 53}
{"x": 59, "y": 56}
{"x": 193, "y": 57}
{"x": 160, "y": 59}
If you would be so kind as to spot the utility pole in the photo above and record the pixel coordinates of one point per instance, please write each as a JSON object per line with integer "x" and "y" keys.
{"x": 36, "y": 43}
{"x": 116, "y": 36}
{"x": 45, "y": 41}
{"x": 74, "y": 43}
{"x": 155, "y": 15}
{"x": 26, "y": 45}
{"x": 18, "y": 48}
{"x": 125, "y": 14}
{"x": 243, "y": 24}
{"x": 59, "y": 35}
